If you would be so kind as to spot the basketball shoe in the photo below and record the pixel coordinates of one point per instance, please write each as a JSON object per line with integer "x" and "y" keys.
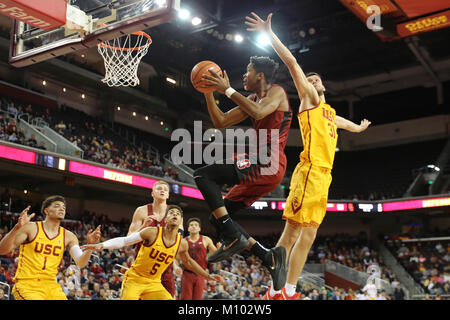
{"x": 277, "y": 296}
{"x": 285, "y": 296}
{"x": 275, "y": 262}
{"x": 228, "y": 248}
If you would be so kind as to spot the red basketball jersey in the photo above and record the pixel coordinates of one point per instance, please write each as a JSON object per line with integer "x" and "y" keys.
{"x": 197, "y": 251}
{"x": 278, "y": 120}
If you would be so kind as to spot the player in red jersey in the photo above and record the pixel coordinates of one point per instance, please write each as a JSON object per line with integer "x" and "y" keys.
{"x": 269, "y": 109}
{"x": 192, "y": 285}
{"x": 152, "y": 215}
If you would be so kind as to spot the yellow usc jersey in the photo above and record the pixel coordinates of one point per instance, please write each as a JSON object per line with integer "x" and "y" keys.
{"x": 319, "y": 135}
{"x": 41, "y": 257}
{"x": 153, "y": 260}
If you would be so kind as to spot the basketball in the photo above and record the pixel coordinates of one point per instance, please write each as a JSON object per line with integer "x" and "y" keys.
{"x": 199, "y": 70}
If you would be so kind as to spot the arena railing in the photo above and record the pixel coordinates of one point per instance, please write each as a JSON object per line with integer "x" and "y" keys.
{"x": 355, "y": 276}
{"x": 63, "y": 145}
{"x": 29, "y": 130}
{"x": 412, "y": 288}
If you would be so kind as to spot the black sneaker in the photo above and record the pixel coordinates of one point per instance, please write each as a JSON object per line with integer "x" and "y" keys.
{"x": 278, "y": 271}
{"x": 228, "y": 248}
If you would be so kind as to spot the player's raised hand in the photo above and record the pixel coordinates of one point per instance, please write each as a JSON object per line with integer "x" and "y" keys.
{"x": 24, "y": 218}
{"x": 257, "y": 24}
{"x": 364, "y": 124}
{"x": 213, "y": 80}
{"x": 94, "y": 236}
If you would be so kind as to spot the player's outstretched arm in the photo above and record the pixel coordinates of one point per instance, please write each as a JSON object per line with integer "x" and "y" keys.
{"x": 257, "y": 111}
{"x": 147, "y": 234}
{"x": 190, "y": 263}
{"x": 19, "y": 233}
{"x": 348, "y": 125}
{"x": 82, "y": 258}
{"x": 304, "y": 88}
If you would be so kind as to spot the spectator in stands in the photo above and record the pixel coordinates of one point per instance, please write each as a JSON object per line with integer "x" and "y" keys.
{"x": 32, "y": 142}
{"x": 42, "y": 145}
{"x": 398, "y": 293}
{"x": 13, "y": 138}
{"x": 12, "y": 109}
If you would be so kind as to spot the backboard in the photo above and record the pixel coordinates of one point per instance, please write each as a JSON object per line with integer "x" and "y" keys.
{"x": 103, "y": 20}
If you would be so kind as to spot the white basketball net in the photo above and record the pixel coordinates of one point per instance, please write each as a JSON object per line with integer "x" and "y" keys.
{"x": 122, "y": 57}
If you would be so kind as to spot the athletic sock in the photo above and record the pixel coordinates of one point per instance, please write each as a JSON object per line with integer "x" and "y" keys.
{"x": 262, "y": 253}
{"x": 228, "y": 227}
{"x": 273, "y": 292}
{"x": 290, "y": 289}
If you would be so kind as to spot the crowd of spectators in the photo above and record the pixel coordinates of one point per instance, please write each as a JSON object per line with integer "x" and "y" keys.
{"x": 428, "y": 262}
{"x": 99, "y": 144}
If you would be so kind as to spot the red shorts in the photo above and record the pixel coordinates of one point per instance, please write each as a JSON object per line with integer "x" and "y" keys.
{"x": 192, "y": 286}
{"x": 255, "y": 182}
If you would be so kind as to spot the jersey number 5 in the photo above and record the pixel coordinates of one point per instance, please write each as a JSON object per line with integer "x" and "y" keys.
{"x": 155, "y": 268}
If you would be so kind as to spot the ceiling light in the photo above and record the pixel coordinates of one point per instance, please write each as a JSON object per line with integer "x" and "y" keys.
{"x": 118, "y": 108}
{"x": 238, "y": 38}
{"x": 162, "y": 123}
{"x": 184, "y": 14}
{"x": 134, "y": 114}
{"x": 263, "y": 39}
{"x": 64, "y": 89}
{"x": 170, "y": 80}
{"x": 44, "y": 82}
{"x": 196, "y": 21}
{"x": 83, "y": 96}
{"x": 146, "y": 117}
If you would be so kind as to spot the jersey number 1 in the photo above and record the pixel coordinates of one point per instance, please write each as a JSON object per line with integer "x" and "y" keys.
{"x": 45, "y": 263}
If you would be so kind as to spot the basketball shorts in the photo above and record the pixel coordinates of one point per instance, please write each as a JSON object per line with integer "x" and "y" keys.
{"x": 192, "y": 286}
{"x": 38, "y": 289}
{"x": 255, "y": 180}
{"x": 136, "y": 287}
{"x": 306, "y": 204}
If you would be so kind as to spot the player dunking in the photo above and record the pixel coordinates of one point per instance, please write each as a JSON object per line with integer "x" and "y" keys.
{"x": 152, "y": 214}
{"x": 268, "y": 107}
{"x": 307, "y": 201}
{"x": 161, "y": 245}
{"x": 42, "y": 246}
{"x": 192, "y": 285}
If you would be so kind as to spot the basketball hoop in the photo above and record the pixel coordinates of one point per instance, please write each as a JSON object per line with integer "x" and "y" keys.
{"x": 122, "y": 57}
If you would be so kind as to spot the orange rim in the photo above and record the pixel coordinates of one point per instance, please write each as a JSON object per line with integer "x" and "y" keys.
{"x": 137, "y": 33}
